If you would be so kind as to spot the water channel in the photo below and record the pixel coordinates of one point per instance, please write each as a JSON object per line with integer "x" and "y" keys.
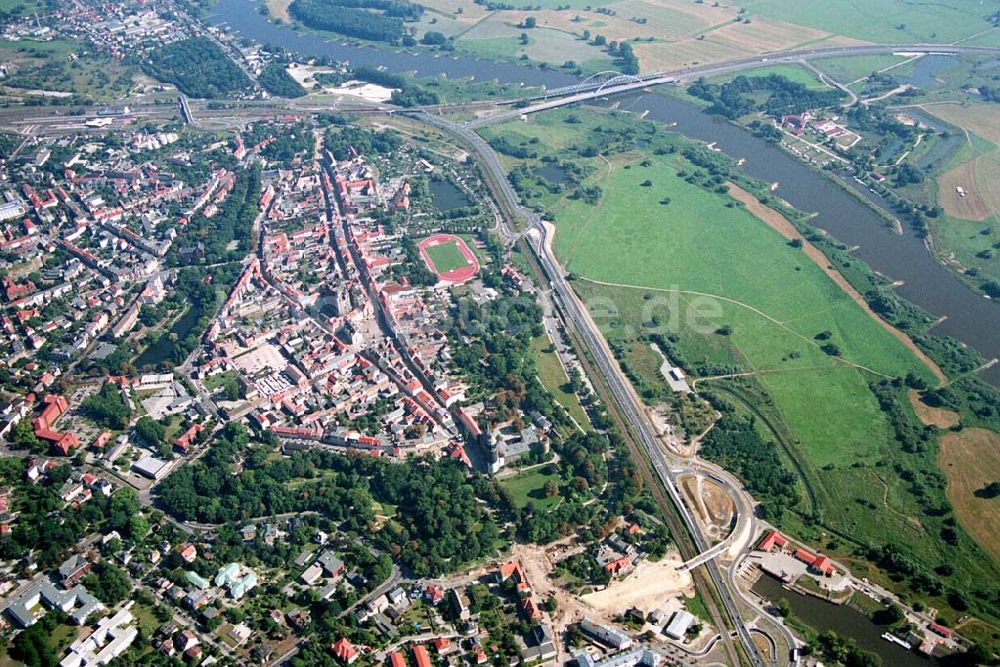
{"x": 903, "y": 257}
{"x": 845, "y": 621}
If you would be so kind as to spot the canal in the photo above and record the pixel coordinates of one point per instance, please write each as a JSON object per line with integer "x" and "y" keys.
{"x": 845, "y": 621}
{"x": 969, "y": 317}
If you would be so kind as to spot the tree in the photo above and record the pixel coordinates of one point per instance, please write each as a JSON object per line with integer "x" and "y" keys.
{"x": 551, "y": 488}
{"x": 433, "y": 38}
{"x": 107, "y": 407}
{"x": 150, "y": 431}
{"x": 529, "y": 22}
{"x": 109, "y": 583}
{"x": 24, "y": 436}
{"x": 524, "y": 38}
{"x": 991, "y": 490}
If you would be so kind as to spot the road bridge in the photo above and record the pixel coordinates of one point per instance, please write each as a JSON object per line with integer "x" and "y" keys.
{"x": 594, "y": 88}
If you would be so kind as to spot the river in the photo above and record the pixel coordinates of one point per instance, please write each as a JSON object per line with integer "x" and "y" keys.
{"x": 969, "y": 317}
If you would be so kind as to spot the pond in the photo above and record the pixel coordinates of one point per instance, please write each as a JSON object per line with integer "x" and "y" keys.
{"x": 845, "y": 621}
{"x": 447, "y": 196}
{"x": 163, "y": 349}
{"x": 553, "y": 173}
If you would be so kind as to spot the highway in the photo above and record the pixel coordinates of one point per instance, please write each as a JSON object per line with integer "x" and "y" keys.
{"x": 516, "y": 220}
{"x": 585, "y": 92}
{"x": 624, "y": 395}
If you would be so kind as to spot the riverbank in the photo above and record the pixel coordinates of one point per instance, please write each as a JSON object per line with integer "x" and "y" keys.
{"x": 778, "y": 222}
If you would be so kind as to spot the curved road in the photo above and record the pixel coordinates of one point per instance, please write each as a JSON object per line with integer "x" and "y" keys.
{"x": 582, "y": 93}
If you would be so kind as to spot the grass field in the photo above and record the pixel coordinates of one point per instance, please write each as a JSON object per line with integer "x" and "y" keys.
{"x": 795, "y": 73}
{"x": 881, "y": 21}
{"x": 446, "y": 257}
{"x": 971, "y": 460}
{"x": 47, "y": 66}
{"x": 846, "y": 70}
{"x": 640, "y": 265}
{"x": 553, "y": 378}
{"x": 529, "y": 486}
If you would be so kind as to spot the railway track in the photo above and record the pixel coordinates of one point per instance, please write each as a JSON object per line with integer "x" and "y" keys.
{"x": 678, "y": 530}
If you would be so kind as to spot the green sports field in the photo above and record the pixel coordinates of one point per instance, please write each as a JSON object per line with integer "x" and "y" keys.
{"x": 446, "y": 257}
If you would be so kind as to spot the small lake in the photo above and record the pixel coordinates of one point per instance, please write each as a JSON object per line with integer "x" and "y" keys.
{"x": 553, "y": 173}
{"x": 845, "y": 621}
{"x": 447, "y": 196}
{"x": 163, "y": 349}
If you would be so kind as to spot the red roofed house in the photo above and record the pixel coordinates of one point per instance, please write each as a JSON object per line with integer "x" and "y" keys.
{"x": 434, "y": 594}
{"x": 530, "y": 609}
{"x": 510, "y": 569}
{"x": 184, "y": 441}
{"x": 804, "y": 556}
{"x": 771, "y": 540}
{"x": 823, "y": 564}
{"x": 441, "y": 644}
{"x": 617, "y": 565}
{"x": 188, "y": 552}
{"x": 344, "y": 651}
{"x": 940, "y": 630}
{"x": 421, "y": 656}
{"x": 396, "y": 659}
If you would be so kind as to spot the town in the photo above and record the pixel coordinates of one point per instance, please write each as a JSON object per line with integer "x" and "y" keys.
{"x": 309, "y": 359}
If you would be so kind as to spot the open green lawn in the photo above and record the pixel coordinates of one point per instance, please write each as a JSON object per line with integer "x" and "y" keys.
{"x": 446, "y": 257}
{"x": 795, "y": 73}
{"x": 553, "y": 378}
{"x": 641, "y": 265}
{"x": 846, "y": 70}
{"x": 497, "y": 39}
{"x": 530, "y": 487}
{"x": 213, "y": 382}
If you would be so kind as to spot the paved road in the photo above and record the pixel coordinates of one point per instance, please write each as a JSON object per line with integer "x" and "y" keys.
{"x": 574, "y": 95}
{"x": 622, "y": 391}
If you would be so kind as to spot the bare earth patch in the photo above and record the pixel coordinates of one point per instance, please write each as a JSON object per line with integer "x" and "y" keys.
{"x": 978, "y": 179}
{"x": 971, "y": 460}
{"x": 279, "y": 9}
{"x": 931, "y": 416}
{"x": 777, "y": 222}
{"x": 648, "y": 587}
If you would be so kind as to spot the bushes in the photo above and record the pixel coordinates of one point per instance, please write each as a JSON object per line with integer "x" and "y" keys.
{"x": 736, "y": 445}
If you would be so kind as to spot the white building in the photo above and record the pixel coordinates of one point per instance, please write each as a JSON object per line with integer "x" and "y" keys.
{"x": 112, "y": 636}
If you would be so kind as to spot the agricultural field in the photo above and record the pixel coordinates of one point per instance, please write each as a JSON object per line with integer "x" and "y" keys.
{"x": 971, "y": 460}
{"x": 664, "y": 34}
{"x": 882, "y": 21}
{"x": 653, "y": 253}
{"x": 969, "y": 227}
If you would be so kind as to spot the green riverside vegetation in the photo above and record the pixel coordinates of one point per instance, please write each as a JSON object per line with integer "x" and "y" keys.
{"x": 812, "y": 389}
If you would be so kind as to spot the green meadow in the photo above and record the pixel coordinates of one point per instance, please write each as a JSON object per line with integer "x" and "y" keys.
{"x": 744, "y": 310}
